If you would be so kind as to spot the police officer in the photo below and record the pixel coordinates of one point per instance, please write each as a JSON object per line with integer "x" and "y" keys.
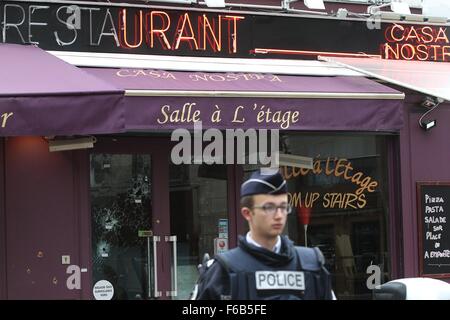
{"x": 266, "y": 264}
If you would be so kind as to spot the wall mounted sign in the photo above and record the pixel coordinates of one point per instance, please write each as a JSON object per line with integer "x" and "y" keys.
{"x": 433, "y": 205}
{"x": 161, "y": 31}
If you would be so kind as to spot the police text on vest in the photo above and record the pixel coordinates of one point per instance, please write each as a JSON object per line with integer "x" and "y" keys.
{"x": 280, "y": 280}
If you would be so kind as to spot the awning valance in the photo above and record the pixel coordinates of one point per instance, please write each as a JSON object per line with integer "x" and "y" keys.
{"x": 157, "y": 99}
{"x": 43, "y": 95}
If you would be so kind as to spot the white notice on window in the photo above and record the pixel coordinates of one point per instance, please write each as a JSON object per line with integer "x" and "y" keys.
{"x": 103, "y": 290}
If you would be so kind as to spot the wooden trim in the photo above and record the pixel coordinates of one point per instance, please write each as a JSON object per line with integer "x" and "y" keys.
{"x": 161, "y": 213}
{"x": 419, "y": 228}
{"x": 83, "y": 212}
{"x": 395, "y": 227}
{"x": 232, "y": 206}
{"x": 241, "y": 223}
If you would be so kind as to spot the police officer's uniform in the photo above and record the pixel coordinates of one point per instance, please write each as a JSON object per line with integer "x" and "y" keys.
{"x": 253, "y": 272}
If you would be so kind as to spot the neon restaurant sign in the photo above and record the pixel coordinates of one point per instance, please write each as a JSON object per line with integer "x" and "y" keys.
{"x": 199, "y": 33}
{"x": 155, "y": 30}
{"x": 120, "y": 29}
{"x": 424, "y": 43}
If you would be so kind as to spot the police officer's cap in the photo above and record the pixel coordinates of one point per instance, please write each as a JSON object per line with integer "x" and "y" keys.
{"x": 264, "y": 182}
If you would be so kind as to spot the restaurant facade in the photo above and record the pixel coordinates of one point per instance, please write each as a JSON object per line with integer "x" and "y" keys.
{"x": 95, "y": 98}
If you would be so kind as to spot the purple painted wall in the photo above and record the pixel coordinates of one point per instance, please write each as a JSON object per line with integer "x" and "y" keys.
{"x": 425, "y": 156}
{"x": 3, "y": 275}
{"x": 43, "y": 206}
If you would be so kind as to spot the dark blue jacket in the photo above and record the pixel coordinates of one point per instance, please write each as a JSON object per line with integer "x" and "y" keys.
{"x": 236, "y": 274}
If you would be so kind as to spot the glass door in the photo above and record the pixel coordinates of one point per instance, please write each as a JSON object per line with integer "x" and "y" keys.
{"x": 198, "y": 220}
{"x": 152, "y": 222}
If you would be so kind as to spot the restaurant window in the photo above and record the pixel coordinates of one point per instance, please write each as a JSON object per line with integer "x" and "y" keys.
{"x": 341, "y": 205}
{"x": 198, "y": 217}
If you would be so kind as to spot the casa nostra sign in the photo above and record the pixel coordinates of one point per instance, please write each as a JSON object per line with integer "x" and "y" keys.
{"x": 156, "y": 30}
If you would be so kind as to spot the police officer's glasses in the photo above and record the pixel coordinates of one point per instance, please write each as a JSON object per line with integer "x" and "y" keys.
{"x": 271, "y": 208}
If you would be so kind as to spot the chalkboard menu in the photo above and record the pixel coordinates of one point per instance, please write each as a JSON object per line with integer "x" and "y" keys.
{"x": 434, "y": 229}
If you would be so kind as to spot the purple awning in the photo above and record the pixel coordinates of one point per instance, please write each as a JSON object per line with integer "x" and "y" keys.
{"x": 43, "y": 95}
{"x": 157, "y": 99}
